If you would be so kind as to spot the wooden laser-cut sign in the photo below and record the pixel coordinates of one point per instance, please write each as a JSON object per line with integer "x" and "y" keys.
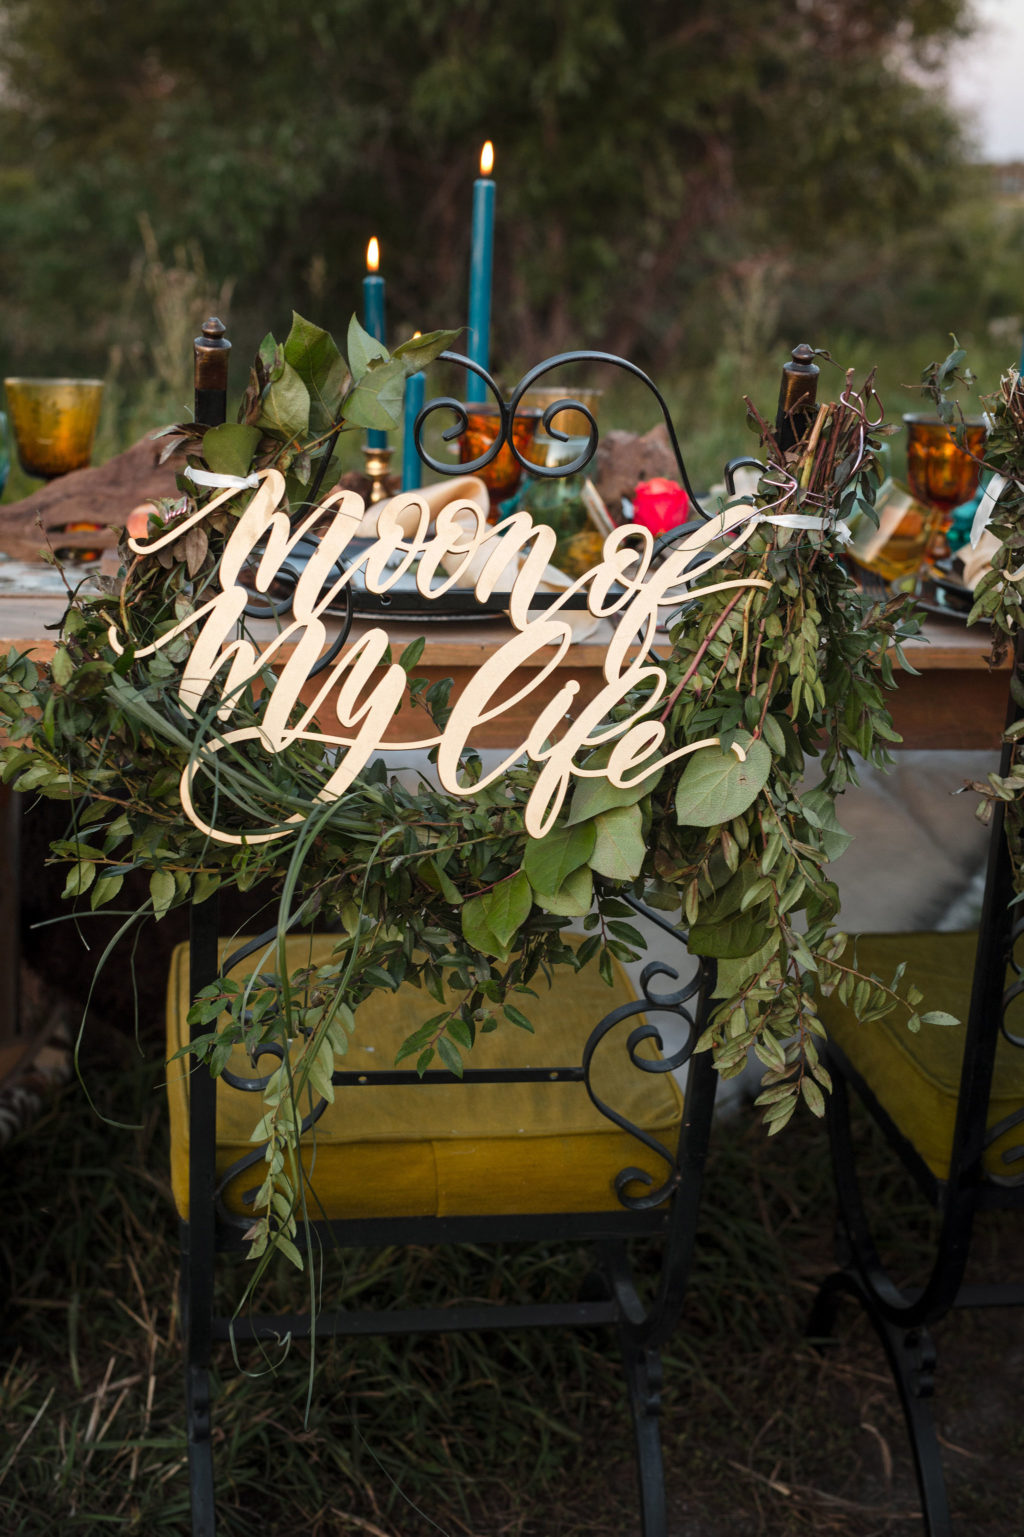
{"x": 455, "y": 548}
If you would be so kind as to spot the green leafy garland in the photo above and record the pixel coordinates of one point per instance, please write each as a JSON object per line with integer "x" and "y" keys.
{"x": 449, "y": 894}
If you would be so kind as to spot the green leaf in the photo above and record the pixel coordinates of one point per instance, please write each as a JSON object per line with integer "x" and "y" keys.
{"x": 314, "y": 355}
{"x": 939, "y": 1017}
{"x": 573, "y": 898}
{"x": 418, "y": 351}
{"x": 376, "y": 401}
{"x": 716, "y": 786}
{"x": 731, "y": 938}
{"x": 363, "y": 349}
{"x": 62, "y": 668}
{"x": 80, "y": 878}
{"x": 813, "y": 1096}
{"x": 449, "y": 1056}
{"x": 162, "y": 889}
{"x": 105, "y": 889}
{"x": 477, "y": 931}
{"x": 549, "y": 861}
{"x": 517, "y": 1017}
{"x": 284, "y": 409}
{"x": 460, "y": 1032}
{"x": 619, "y": 847}
{"x": 448, "y": 889}
{"x": 592, "y": 796}
{"x": 834, "y": 839}
{"x": 507, "y": 907}
{"x": 412, "y": 653}
{"x": 229, "y": 449}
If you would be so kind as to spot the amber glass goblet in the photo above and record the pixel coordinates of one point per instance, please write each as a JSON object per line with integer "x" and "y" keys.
{"x": 54, "y": 423}
{"x": 503, "y": 474}
{"x": 547, "y": 450}
{"x": 941, "y": 474}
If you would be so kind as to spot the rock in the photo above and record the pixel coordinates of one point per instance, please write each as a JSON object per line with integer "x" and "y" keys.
{"x": 102, "y": 496}
{"x": 624, "y": 459}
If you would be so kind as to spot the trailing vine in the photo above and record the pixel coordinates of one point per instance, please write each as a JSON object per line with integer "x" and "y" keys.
{"x": 451, "y": 894}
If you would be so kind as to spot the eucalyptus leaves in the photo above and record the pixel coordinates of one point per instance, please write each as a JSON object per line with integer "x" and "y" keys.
{"x": 774, "y": 658}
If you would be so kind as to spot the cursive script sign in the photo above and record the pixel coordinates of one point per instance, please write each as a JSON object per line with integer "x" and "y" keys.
{"x": 457, "y": 547}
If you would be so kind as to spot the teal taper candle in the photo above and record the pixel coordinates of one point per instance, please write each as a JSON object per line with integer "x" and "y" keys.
{"x": 481, "y": 267}
{"x": 374, "y": 319}
{"x": 415, "y": 387}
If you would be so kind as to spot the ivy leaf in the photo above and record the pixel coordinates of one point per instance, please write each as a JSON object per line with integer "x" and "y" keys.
{"x": 550, "y": 860}
{"x": 363, "y": 349}
{"x": 619, "y": 846}
{"x": 716, "y": 786}
{"x": 229, "y": 449}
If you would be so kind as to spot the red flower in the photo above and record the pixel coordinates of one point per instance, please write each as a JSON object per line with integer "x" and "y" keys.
{"x": 660, "y": 505}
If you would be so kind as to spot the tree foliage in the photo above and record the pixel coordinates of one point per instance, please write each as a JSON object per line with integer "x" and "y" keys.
{"x": 645, "y": 153}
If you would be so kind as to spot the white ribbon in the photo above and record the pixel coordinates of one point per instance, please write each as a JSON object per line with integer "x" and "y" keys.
{"x": 840, "y": 528}
{"x": 986, "y": 507}
{"x": 228, "y": 482}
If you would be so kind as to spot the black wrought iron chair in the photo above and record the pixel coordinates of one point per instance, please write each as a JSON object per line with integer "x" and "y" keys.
{"x": 576, "y": 1134}
{"x": 951, "y": 1105}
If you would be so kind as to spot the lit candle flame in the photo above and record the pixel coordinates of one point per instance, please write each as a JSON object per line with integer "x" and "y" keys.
{"x": 373, "y": 255}
{"x": 487, "y": 159}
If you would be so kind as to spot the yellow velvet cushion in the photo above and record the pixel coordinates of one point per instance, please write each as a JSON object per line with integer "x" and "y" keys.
{"x": 915, "y": 1078}
{"x": 450, "y": 1149}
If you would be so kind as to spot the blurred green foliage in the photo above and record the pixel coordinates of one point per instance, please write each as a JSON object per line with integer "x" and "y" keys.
{"x": 678, "y": 183}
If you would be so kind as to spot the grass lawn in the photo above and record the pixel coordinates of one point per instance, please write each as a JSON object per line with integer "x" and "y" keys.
{"x": 525, "y": 1435}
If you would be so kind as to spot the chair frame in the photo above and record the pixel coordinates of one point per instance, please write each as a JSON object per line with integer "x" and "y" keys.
{"x": 903, "y": 1318}
{"x": 669, "y": 1212}
{"x": 641, "y": 1330}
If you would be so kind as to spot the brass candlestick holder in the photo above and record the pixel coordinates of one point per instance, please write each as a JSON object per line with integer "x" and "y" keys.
{"x": 378, "y": 463}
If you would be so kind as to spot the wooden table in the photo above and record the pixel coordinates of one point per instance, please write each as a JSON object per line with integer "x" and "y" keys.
{"x": 955, "y": 702}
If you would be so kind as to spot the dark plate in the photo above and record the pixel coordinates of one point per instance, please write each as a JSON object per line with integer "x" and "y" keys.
{"x": 402, "y": 601}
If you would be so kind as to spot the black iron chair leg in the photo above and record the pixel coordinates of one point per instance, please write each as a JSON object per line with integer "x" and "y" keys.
{"x": 911, "y": 1357}
{"x": 911, "y": 1354}
{"x": 196, "y": 1310}
{"x": 825, "y": 1308}
{"x": 200, "y": 1450}
{"x": 644, "y": 1381}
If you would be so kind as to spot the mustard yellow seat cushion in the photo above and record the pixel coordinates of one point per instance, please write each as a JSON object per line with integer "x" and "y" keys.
{"x": 915, "y": 1077}
{"x": 449, "y": 1149}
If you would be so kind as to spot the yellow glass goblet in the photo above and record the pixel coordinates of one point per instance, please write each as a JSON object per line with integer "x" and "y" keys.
{"x": 54, "y": 423}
